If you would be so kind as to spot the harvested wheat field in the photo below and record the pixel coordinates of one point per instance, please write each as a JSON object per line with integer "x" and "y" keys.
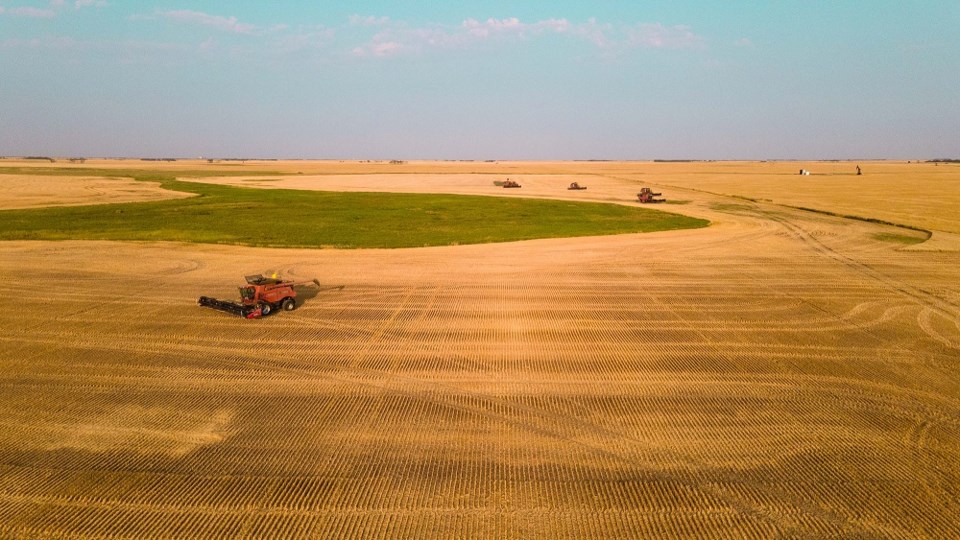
{"x": 781, "y": 373}
{"x": 23, "y": 191}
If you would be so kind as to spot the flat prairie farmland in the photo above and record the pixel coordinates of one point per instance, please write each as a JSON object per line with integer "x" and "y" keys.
{"x": 780, "y": 373}
{"x": 38, "y": 191}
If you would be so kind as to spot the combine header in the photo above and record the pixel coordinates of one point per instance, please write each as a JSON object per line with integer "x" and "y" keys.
{"x": 647, "y": 195}
{"x": 260, "y": 297}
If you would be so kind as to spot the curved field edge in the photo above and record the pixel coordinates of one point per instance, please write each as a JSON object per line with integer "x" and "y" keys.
{"x": 906, "y": 240}
{"x": 878, "y": 221}
{"x": 294, "y": 218}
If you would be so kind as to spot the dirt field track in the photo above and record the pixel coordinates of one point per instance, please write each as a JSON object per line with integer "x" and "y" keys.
{"x": 781, "y": 373}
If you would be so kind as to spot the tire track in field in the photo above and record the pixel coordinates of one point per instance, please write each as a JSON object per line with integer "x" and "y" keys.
{"x": 931, "y": 305}
{"x": 942, "y": 305}
{"x": 797, "y": 504}
{"x": 937, "y": 304}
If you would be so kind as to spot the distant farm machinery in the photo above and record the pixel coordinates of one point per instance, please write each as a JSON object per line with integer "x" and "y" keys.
{"x": 260, "y": 297}
{"x": 647, "y": 195}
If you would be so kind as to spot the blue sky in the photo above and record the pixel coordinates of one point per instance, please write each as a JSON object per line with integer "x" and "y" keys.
{"x": 612, "y": 79}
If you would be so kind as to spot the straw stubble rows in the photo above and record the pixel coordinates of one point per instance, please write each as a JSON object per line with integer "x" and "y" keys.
{"x": 780, "y": 373}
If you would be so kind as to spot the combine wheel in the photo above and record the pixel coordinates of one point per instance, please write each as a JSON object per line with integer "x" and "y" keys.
{"x": 265, "y": 309}
{"x": 289, "y": 304}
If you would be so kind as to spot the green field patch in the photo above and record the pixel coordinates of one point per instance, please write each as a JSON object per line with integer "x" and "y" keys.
{"x": 898, "y": 238}
{"x": 295, "y": 218}
{"x": 731, "y": 207}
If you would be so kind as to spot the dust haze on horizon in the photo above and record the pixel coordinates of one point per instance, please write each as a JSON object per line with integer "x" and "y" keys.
{"x": 480, "y": 80}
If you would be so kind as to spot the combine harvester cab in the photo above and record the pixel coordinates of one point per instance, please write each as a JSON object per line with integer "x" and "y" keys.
{"x": 260, "y": 297}
{"x": 647, "y": 195}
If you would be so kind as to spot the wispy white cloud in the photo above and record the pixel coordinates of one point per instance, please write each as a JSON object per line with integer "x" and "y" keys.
{"x": 55, "y": 7}
{"x": 556, "y": 25}
{"x": 489, "y": 27}
{"x": 395, "y": 38}
{"x": 69, "y": 44}
{"x": 33, "y": 12}
{"x": 366, "y": 36}
{"x": 512, "y": 26}
{"x": 45, "y": 43}
{"x": 595, "y": 32}
{"x": 303, "y": 38}
{"x": 366, "y": 20}
{"x": 380, "y": 49}
{"x": 658, "y": 36}
{"x": 229, "y": 24}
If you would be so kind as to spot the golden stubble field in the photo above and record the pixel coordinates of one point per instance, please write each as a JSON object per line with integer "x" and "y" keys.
{"x": 19, "y": 191}
{"x": 779, "y": 374}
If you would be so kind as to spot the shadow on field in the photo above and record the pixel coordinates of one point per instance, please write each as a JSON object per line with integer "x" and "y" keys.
{"x": 306, "y": 293}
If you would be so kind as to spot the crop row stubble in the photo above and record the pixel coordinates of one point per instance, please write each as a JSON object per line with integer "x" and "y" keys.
{"x": 780, "y": 375}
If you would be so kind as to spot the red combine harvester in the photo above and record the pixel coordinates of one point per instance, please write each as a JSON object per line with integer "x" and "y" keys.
{"x": 508, "y": 183}
{"x": 260, "y": 297}
{"x": 647, "y": 195}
